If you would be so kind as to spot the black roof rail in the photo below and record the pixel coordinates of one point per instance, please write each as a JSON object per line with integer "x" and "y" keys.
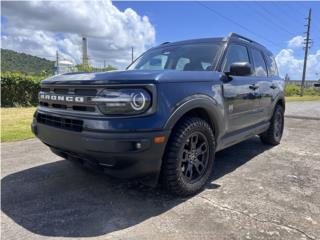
{"x": 164, "y": 43}
{"x": 236, "y": 35}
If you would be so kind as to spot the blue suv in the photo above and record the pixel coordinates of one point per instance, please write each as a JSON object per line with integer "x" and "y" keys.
{"x": 165, "y": 116}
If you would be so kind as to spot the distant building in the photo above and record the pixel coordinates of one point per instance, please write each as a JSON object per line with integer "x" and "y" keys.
{"x": 64, "y": 66}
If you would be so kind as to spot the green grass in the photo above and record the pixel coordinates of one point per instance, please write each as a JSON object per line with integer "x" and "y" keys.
{"x": 15, "y": 123}
{"x": 304, "y": 98}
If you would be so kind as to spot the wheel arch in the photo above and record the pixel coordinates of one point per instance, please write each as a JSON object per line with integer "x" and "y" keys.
{"x": 201, "y": 106}
{"x": 281, "y": 102}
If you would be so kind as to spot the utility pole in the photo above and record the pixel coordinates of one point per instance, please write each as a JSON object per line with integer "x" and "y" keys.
{"x": 131, "y": 54}
{"x": 57, "y": 62}
{"x": 104, "y": 63}
{"x": 307, "y": 41}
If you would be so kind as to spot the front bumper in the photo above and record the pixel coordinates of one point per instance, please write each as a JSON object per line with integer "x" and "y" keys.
{"x": 122, "y": 154}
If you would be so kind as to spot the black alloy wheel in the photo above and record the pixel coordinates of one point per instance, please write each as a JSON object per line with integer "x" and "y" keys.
{"x": 274, "y": 133}
{"x": 188, "y": 161}
{"x": 194, "y": 156}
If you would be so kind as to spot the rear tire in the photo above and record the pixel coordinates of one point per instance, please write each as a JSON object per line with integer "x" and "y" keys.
{"x": 188, "y": 162}
{"x": 274, "y": 133}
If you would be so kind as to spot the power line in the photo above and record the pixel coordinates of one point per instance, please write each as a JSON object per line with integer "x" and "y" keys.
{"x": 275, "y": 23}
{"x": 302, "y": 14}
{"x": 236, "y": 23}
{"x": 279, "y": 5}
{"x": 265, "y": 20}
{"x": 298, "y": 10}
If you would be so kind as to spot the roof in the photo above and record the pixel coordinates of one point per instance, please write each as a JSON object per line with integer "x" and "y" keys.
{"x": 232, "y": 36}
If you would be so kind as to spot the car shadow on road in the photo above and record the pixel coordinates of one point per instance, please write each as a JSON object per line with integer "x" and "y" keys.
{"x": 62, "y": 199}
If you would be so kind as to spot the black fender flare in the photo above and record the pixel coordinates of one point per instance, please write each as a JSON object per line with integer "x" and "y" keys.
{"x": 279, "y": 97}
{"x": 210, "y": 105}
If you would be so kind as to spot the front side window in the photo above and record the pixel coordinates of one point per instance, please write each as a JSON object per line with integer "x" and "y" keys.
{"x": 156, "y": 63}
{"x": 184, "y": 57}
{"x": 235, "y": 53}
{"x": 260, "y": 68}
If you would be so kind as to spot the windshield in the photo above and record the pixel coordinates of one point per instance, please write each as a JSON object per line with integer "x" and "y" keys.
{"x": 187, "y": 57}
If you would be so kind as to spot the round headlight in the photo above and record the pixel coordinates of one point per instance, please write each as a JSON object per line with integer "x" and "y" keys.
{"x": 138, "y": 101}
{"x": 123, "y": 101}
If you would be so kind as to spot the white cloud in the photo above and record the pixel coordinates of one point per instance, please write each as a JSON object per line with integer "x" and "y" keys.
{"x": 288, "y": 62}
{"x": 296, "y": 42}
{"x": 42, "y": 27}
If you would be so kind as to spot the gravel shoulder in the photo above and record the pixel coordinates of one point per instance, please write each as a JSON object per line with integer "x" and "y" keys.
{"x": 303, "y": 110}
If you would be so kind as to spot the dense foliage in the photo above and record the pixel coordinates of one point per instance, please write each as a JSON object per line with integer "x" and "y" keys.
{"x": 24, "y": 63}
{"x": 294, "y": 90}
{"x": 19, "y": 89}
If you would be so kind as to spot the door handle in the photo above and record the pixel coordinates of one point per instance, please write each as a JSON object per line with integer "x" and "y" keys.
{"x": 253, "y": 87}
{"x": 273, "y": 86}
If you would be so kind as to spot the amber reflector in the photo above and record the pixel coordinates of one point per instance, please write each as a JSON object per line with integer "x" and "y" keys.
{"x": 159, "y": 139}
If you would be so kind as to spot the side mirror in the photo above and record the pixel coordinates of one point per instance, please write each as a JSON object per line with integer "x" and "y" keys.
{"x": 240, "y": 69}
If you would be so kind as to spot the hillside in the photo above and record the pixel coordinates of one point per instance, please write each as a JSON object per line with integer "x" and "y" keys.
{"x": 21, "y": 62}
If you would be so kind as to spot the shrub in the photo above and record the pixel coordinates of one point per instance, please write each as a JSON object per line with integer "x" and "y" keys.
{"x": 312, "y": 91}
{"x": 19, "y": 89}
{"x": 292, "y": 90}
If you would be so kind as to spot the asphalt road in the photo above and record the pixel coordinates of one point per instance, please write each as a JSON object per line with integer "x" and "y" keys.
{"x": 256, "y": 192}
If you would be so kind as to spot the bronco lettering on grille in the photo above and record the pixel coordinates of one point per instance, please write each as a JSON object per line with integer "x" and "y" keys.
{"x": 60, "y": 98}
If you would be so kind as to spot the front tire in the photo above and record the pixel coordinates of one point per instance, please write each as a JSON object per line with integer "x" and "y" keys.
{"x": 274, "y": 133}
{"x": 189, "y": 157}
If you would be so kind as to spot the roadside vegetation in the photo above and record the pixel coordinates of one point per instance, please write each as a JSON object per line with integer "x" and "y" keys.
{"x": 292, "y": 92}
{"x": 15, "y": 123}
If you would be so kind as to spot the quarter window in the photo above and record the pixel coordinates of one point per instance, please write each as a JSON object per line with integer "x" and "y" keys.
{"x": 272, "y": 66}
{"x": 235, "y": 53}
{"x": 260, "y": 68}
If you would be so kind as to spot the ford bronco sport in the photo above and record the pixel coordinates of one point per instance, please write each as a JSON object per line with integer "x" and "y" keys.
{"x": 166, "y": 115}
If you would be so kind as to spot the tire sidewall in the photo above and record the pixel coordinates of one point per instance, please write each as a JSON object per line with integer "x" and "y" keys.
{"x": 278, "y": 110}
{"x": 207, "y": 132}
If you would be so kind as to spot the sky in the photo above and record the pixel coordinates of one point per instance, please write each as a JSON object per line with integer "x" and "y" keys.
{"x": 112, "y": 28}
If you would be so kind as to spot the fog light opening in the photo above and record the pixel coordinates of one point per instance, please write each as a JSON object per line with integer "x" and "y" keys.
{"x": 138, "y": 145}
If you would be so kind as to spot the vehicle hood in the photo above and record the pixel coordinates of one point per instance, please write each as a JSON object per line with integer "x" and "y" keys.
{"x": 130, "y": 77}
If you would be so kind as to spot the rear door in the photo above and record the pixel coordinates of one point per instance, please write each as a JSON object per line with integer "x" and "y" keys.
{"x": 240, "y": 94}
{"x": 262, "y": 81}
{"x": 275, "y": 84}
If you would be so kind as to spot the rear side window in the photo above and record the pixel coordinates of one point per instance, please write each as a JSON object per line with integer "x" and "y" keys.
{"x": 235, "y": 53}
{"x": 272, "y": 66}
{"x": 260, "y": 68}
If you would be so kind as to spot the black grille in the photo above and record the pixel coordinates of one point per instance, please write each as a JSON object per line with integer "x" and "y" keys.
{"x": 85, "y": 107}
{"x": 86, "y": 92}
{"x": 61, "y": 90}
{"x": 45, "y": 89}
{"x": 59, "y": 122}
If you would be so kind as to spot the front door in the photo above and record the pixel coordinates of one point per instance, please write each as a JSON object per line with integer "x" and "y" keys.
{"x": 241, "y": 94}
